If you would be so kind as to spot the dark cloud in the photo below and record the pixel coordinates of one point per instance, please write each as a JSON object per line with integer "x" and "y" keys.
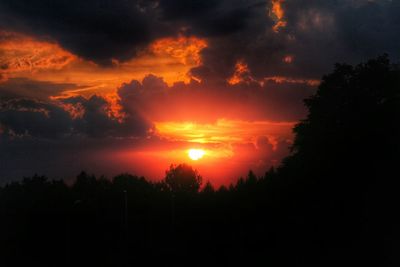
{"x": 97, "y": 120}
{"x": 27, "y": 111}
{"x": 317, "y": 33}
{"x": 209, "y": 18}
{"x": 325, "y": 32}
{"x": 61, "y": 138}
{"x": 205, "y": 102}
{"x": 191, "y": 9}
{"x": 26, "y": 88}
{"x": 118, "y": 29}
{"x": 262, "y": 155}
{"x": 29, "y": 118}
{"x": 95, "y": 30}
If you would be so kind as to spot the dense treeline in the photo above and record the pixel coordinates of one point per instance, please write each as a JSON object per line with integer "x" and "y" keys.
{"x": 333, "y": 201}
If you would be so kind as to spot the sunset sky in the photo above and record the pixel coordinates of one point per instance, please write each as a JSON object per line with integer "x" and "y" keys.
{"x": 112, "y": 86}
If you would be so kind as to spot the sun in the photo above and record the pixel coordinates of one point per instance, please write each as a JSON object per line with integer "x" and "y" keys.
{"x": 196, "y": 154}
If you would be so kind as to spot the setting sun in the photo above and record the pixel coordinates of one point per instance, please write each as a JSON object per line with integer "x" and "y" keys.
{"x": 196, "y": 154}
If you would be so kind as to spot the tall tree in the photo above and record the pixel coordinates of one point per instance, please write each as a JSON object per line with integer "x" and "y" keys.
{"x": 183, "y": 178}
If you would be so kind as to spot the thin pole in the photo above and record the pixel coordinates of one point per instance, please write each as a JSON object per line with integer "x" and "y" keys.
{"x": 126, "y": 211}
{"x": 172, "y": 216}
{"x": 126, "y": 225}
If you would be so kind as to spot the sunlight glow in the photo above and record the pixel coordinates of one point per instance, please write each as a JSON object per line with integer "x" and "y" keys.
{"x": 222, "y": 131}
{"x": 196, "y": 154}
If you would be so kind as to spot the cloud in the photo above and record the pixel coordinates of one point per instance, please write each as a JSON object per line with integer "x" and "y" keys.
{"x": 26, "y": 110}
{"x": 97, "y": 119}
{"x": 185, "y": 49}
{"x": 22, "y": 54}
{"x": 27, "y": 106}
{"x": 29, "y": 118}
{"x": 94, "y": 30}
{"x": 204, "y": 102}
{"x": 117, "y": 29}
{"x": 209, "y": 18}
{"x": 316, "y": 34}
{"x": 261, "y": 155}
{"x": 26, "y": 88}
{"x": 62, "y": 137}
{"x": 261, "y": 33}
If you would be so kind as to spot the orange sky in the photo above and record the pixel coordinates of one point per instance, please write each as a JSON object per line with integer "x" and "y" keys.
{"x": 231, "y": 145}
{"x": 24, "y": 56}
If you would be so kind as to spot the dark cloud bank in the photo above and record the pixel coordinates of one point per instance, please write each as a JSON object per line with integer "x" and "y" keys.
{"x": 317, "y": 32}
{"x": 37, "y": 133}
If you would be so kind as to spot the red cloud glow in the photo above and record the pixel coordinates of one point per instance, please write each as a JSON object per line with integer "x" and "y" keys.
{"x": 277, "y": 14}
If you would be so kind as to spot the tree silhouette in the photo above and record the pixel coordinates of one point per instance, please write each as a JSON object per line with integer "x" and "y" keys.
{"x": 183, "y": 178}
{"x": 354, "y": 116}
{"x": 208, "y": 189}
{"x": 352, "y": 127}
{"x": 341, "y": 174}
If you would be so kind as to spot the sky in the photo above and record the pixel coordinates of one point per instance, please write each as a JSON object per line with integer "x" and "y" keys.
{"x": 113, "y": 86}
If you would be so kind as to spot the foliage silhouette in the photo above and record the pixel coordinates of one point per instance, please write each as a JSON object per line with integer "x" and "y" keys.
{"x": 183, "y": 178}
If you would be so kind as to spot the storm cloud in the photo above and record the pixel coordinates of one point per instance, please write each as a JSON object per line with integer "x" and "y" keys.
{"x": 118, "y": 29}
{"x": 316, "y": 33}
